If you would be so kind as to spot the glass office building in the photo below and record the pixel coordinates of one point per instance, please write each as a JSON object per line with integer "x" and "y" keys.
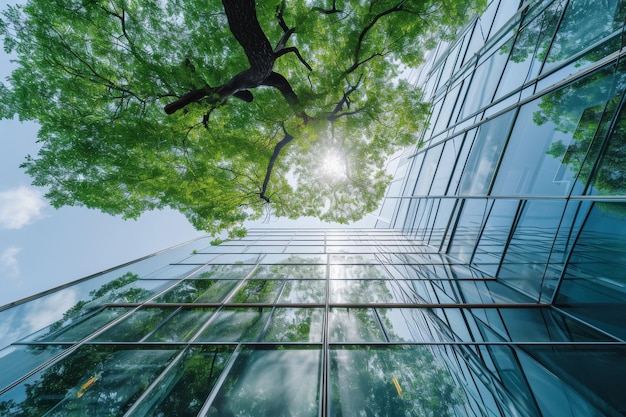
{"x": 492, "y": 285}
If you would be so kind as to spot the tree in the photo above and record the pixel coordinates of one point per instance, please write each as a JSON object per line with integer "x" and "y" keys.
{"x": 151, "y": 104}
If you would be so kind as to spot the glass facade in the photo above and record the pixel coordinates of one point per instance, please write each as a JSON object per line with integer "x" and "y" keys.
{"x": 492, "y": 285}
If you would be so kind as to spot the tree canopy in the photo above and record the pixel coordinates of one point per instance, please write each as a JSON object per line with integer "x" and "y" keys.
{"x": 220, "y": 110}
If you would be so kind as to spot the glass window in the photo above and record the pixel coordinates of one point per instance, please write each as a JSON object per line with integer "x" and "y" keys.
{"x": 16, "y": 361}
{"x": 594, "y": 285}
{"x": 552, "y": 135}
{"x": 217, "y": 292}
{"x": 257, "y": 291}
{"x": 527, "y": 255}
{"x": 468, "y": 227}
{"x": 530, "y": 48}
{"x": 295, "y": 325}
{"x": 354, "y": 325}
{"x": 405, "y": 324}
{"x": 89, "y": 381}
{"x": 494, "y": 236}
{"x": 171, "y": 272}
{"x": 270, "y": 382}
{"x": 134, "y": 327}
{"x": 484, "y": 155}
{"x": 390, "y": 381}
{"x": 599, "y": 368}
{"x": 485, "y": 80}
{"x": 357, "y": 272}
{"x": 223, "y": 272}
{"x": 445, "y": 165}
{"x": 303, "y": 291}
{"x": 459, "y": 164}
{"x": 584, "y": 24}
{"x": 235, "y": 324}
{"x": 76, "y": 330}
{"x": 182, "y": 326}
{"x": 369, "y": 291}
{"x": 425, "y": 177}
{"x": 290, "y": 272}
{"x": 185, "y": 387}
{"x": 308, "y": 258}
{"x": 189, "y": 290}
{"x": 610, "y": 178}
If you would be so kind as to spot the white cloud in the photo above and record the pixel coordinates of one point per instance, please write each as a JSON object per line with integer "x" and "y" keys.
{"x": 20, "y": 206}
{"x": 9, "y": 263}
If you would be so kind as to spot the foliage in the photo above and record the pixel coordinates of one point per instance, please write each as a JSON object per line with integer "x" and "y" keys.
{"x": 589, "y": 110}
{"x": 96, "y": 75}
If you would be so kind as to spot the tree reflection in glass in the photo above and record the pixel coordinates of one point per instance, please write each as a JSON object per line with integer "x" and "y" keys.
{"x": 585, "y": 110}
{"x": 271, "y": 381}
{"x": 93, "y": 381}
{"x": 389, "y": 381}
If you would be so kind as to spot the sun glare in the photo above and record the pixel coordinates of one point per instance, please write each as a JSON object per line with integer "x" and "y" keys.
{"x": 333, "y": 166}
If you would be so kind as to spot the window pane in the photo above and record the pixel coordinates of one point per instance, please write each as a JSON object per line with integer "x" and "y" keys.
{"x": 303, "y": 291}
{"x": 484, "y": 155}
{"x": 552, "y": 136}
{"x": 295, "y": 325}
{"x": 89, "y": 381}
{"x": 389, "y": 381}
{"x": 271, "y": 382}
{"x": 258, "y": 291}
{"x": 236, "y": 324}
{"x": 16, "y": 361}
{"x": 187, "y": 385}
{"x": 354, "y": 325}
{"x": 182, "y": 326}
{"x": 136, "y": 326}
{"x": 584, "y": 20}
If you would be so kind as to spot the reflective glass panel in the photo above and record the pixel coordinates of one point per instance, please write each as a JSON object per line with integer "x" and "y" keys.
{"x": 134, "y": 327}
{"x": 357, "y": 271}
{"x": 16, "y": 361}
{"x": 93, "y": 381}
{"x": 295, "y": 325}
{"x": 186, "y": 386}
{"x": 79, "y": 329}
{"x": 552, "y": 135}
{"x": 235, "y": 324}
{"x": 257, "y": 291}
{"x": 189, "y": 290}
{"x": 223, "y": 272}
{"x": 593, "y": 286}
{"x": 354, "y": 325}
{"x": 182, "y": 326}
{"x": 484, "y": 155}
{"x": 270, "y": 382}
{"x": 389, "y": 381}
{"x": 583, "y": 19}
{"x": 369, "y": 291}
{"x": 303, "y": 291}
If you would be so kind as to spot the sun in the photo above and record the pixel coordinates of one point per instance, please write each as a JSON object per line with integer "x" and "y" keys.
{"x": 333, "y": 166}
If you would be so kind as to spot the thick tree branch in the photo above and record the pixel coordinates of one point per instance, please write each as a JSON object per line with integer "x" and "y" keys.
{"x": 245, "y": 27}
{"x": 270, "y": 166}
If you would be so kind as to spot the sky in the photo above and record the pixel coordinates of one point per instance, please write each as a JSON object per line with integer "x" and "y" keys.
{"x": 42, "y": 247}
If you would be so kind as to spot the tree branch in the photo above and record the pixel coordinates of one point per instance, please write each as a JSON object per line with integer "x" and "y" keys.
{"x": 270, "y": 166}
{"x": 367, "y": 28}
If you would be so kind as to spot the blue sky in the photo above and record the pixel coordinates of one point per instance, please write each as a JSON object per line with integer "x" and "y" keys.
{"x": 41, "y": 247}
